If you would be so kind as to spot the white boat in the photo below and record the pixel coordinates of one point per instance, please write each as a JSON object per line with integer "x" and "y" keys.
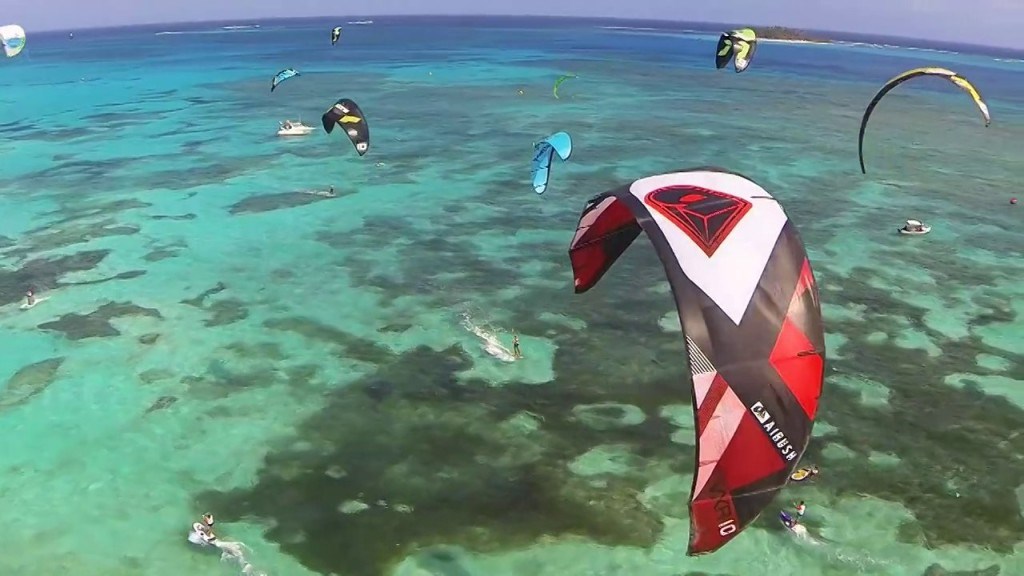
{"x": 915, "y": 228}
{"x": 294, "y": 128}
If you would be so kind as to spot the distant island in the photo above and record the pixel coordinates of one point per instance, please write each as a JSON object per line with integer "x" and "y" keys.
{"x": 780, "y": 33}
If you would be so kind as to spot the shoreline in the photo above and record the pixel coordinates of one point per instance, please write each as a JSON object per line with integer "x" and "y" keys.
{"x": 787, "y": 41}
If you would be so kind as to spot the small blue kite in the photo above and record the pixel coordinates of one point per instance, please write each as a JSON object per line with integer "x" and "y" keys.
{"x": 282, "y": 76}
{"x": 558, "y": 143}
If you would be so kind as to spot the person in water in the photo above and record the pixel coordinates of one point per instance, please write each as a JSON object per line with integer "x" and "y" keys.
{"x": 801, "y": 508}
{"x": 515, "y": 346}
{"x": 30, "y": 298}
{"x": 205, "y": 528}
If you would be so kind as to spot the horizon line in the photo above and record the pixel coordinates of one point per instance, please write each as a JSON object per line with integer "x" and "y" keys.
{"x": 525, "y": 16}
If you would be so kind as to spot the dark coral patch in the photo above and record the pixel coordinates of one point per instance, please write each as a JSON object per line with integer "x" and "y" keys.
{"x": 175, "y": 217}
{"x": 45, "y": 272}
{"x": 270, "y": 202}
{"x": 96, "y": 324}
{"x": 162, "y": 403}
{"x": 29, "y": 381}
{"x": 351, "y": 346}
{"x": 126, "y": 275}
{"x": 200, "y": 300}
{"x": 226, "y": 312}
{"x": 437, "y": 462}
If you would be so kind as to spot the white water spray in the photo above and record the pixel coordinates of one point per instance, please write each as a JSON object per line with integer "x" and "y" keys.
{"x": 490, "y": 341}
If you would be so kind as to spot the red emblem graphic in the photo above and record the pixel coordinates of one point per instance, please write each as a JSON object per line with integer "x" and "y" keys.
{"x": 706, "y": 216}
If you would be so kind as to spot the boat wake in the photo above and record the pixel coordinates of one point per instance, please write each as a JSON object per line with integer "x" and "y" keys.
{"x": 490, "y": 341}
{"x": 229, "y": 552}
{"x": 235, "y": 552}
{"x": 800, "y": 533}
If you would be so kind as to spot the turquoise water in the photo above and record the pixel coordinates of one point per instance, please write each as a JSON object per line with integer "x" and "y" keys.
{"x": 328, "y": 376}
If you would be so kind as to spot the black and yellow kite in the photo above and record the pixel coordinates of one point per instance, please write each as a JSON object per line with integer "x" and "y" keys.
{"x": 916, "y": 72}
{"x": 346, "y": 113}
{"x": 740, "y": 45}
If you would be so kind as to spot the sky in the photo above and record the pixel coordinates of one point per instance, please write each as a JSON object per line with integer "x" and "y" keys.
{"x": 986, "y": 22}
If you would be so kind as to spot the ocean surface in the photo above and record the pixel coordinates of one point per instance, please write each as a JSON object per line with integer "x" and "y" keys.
{"x": 331, "y": 377}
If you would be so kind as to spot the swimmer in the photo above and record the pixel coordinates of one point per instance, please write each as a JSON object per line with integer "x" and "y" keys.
{"x": 515, "y": 346}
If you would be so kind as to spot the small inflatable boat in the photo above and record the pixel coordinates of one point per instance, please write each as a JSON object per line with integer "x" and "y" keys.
{"x": 915, "y": 228}
{"x": 803, "y": 474}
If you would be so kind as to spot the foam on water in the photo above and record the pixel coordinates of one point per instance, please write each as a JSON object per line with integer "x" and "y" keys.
{"x": 489, "y": 338}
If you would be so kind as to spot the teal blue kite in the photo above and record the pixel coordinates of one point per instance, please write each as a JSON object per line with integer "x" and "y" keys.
{"x": 282, "y": 76}
{"x": 543, "y": 152}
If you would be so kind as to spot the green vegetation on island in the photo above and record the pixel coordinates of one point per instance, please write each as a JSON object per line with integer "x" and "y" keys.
{"x": 781, "y": 33}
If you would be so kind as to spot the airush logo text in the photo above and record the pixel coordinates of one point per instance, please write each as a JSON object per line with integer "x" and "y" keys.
{"x": 777, "y": 436}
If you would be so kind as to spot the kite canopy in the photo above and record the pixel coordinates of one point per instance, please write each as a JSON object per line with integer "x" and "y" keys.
{"x": 335, "y": 35}
{"x": 12, "y": 37}
{"x": 914, "y": 73}
{"x": 543, "y": 152}
{"x": 739, "y": 44}
{"x": 282, "y": 76}
{"x": 346, "y": 113}
{"x": 748, "y": 306}
{"x": 559, "y": 81}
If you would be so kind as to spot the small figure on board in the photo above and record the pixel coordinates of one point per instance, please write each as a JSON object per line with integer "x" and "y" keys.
{"x": 801, "y": 509}
{"x": 515, "y": 346}
{"x": 202, "y": 531}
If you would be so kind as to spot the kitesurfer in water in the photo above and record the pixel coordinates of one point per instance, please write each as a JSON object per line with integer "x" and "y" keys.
{"x": 30, "y": 298}
{"x": 330, "y": 191}
{"x": 801, "y": 508}
{"x": 515, "y": 346}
